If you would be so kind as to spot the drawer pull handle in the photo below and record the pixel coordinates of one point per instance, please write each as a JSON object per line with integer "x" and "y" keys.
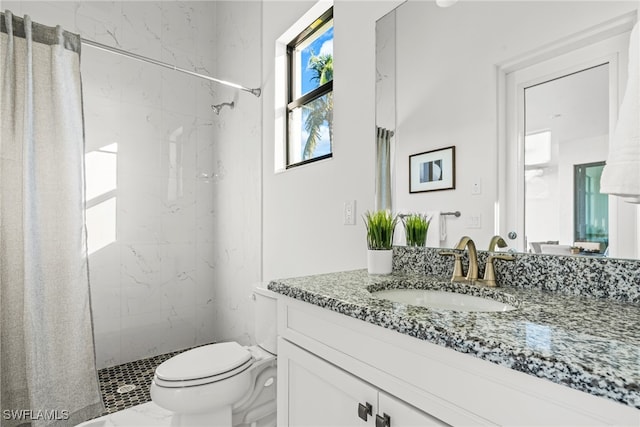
{"x": 384, "y": 421}
{"x": 364, "y": 410}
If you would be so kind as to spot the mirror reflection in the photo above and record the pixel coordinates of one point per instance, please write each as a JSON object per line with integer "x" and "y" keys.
{"x": 529, "y": 171}
{"x": 565, "y": 148}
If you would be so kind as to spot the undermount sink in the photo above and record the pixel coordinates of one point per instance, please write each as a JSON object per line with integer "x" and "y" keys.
{"x": 442, "y": 300}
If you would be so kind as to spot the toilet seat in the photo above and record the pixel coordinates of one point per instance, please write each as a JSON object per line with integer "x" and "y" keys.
{"x": 203, "y": 365}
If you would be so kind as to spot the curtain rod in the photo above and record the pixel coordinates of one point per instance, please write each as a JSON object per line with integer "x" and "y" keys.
{"x": 107, "y": 48}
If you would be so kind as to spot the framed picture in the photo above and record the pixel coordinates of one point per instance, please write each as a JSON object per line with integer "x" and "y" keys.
{"x": 433, "y": 170}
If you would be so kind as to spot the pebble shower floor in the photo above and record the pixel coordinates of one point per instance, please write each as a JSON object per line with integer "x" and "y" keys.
{"x": 114, "y": 382}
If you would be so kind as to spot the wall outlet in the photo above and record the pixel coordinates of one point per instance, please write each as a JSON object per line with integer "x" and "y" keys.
{"x": 349, "y": 212}
{"x": 474, "y": 221}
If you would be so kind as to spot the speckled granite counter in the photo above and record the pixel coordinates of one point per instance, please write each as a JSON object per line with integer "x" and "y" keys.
{"x": 592, "y": 345}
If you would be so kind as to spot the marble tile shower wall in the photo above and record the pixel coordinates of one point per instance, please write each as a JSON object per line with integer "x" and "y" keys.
{"x": 607, "y": 278}
{"x": 237, "y": 200}
{"x": 153, "y": 287}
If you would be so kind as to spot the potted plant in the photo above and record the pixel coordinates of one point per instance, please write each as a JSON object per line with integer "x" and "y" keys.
{"x": 415, "y": 229}
{"x": 380, "y": 227}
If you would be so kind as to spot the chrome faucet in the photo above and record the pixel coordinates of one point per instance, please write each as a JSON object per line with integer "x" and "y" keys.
{"x": 458, "y": 274}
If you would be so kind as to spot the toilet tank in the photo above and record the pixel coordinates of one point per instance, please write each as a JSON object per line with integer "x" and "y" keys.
{"x": 265, "y": 315}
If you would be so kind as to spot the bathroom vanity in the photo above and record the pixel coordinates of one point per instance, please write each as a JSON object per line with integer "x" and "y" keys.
{"x": 348, "y": 357}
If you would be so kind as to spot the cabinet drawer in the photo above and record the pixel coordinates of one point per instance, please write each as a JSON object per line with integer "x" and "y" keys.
{"x": 317, "y": 393}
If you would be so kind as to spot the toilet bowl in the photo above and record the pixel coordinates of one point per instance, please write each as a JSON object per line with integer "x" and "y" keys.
{"x": 224, "y": 384}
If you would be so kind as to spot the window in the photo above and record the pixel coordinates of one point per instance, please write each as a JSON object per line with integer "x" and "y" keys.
{"x": 591, "y": 208}
{"x": 537, "y": 148}
{"x": 310, "y": 93}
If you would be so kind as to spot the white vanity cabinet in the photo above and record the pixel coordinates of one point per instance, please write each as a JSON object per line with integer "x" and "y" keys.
{"x": 321, "y": 394}
{"x": 330, "y": 363}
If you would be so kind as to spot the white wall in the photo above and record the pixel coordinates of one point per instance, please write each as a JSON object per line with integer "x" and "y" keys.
{"x": 303, "y": 231}
{"x": 447, "y": 92}
{"x": 188, "y": 248}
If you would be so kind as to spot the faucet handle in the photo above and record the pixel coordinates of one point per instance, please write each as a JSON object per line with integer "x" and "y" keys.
{"x": 489, "y": 270}
{"x": 458, "y": 274}
{"x": 505, "y": 257}
{"x": 452, "y": 252}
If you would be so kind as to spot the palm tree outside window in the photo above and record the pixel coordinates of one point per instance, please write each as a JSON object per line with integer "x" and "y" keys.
{"x": 310, "y": 93}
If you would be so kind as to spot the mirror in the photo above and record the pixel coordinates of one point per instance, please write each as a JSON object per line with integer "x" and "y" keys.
{"x": 566, "y": 132}
{"x": 452, "y": 68}
{"x": 385, "y": 71}
{"x": 385, "y": 108}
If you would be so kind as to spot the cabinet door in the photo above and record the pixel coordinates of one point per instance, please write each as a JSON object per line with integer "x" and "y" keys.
{"x": 318, "y": 393}
{"x": 404, "y": 415}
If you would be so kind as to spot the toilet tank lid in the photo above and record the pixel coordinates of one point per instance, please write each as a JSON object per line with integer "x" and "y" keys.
{"x": 203, "y": 362}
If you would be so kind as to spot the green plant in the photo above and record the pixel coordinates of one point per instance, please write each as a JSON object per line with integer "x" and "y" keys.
{"x": 415, "y": 229}
{"x": 380, "y": 227}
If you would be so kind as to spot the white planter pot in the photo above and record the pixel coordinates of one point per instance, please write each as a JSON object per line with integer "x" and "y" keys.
{"x": 380, "y": 261}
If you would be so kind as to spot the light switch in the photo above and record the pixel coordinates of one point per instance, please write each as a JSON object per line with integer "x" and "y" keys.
{"x": 474, "y": 221}
{"x": 476, "y": 187}
{"x": 349, "y": 212}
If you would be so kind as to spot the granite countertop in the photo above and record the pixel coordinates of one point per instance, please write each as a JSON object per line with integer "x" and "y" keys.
{"x": 588, "y": 344}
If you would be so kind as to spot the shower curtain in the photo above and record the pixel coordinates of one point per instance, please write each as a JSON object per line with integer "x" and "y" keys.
{"x": 383, "y": 169}
{"x": 47, "y": 360}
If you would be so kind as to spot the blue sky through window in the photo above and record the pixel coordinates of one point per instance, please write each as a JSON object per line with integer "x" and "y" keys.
{"x": 324, "y": 141}
{"x": 322, "y": 45}
{"x": 311, "y": 113}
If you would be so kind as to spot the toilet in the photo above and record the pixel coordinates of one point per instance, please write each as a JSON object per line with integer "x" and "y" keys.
{"x": 224, "y": 384}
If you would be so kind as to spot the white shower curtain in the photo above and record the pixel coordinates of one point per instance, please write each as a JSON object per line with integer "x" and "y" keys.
{"x": 47, "y": 359}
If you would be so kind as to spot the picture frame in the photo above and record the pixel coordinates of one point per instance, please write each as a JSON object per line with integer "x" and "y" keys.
{"x": 433, "y": 170}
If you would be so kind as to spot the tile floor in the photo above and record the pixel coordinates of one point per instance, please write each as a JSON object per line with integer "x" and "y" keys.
{"x": 114, "y": 381}
{"x": 134, "y": 407}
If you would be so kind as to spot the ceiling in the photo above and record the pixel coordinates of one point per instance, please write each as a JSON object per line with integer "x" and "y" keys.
{"x": 572, "y": 107}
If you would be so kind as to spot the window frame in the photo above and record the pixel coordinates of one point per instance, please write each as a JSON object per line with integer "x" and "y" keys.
{"x": 579, "y": 198}
{"x": 309, "y": 97}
